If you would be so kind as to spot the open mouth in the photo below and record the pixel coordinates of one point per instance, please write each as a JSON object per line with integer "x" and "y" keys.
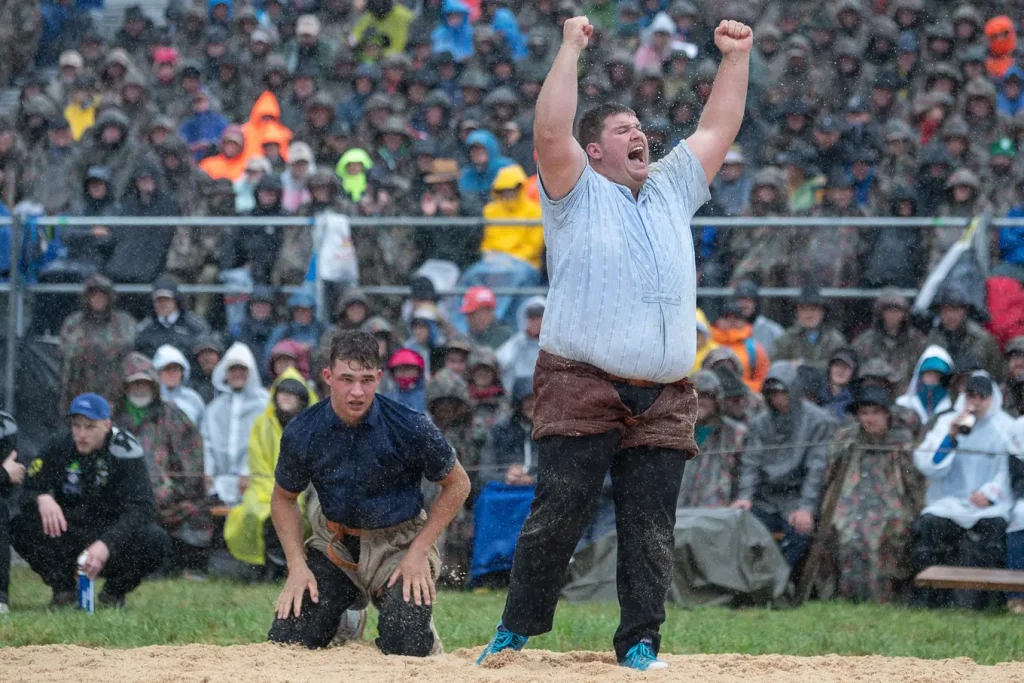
{"x": 636, "y": 153}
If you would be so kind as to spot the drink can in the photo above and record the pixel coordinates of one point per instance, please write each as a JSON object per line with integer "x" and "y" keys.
{"x": 86, "y": 586}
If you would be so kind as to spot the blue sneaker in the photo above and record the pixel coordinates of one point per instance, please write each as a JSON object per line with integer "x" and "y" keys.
{"x": 503, "y": 640}
{"x": 642, "y": 658}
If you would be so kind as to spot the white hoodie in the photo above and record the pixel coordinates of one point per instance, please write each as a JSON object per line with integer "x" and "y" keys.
{"x": 965, "y": 469}
{"x": 190, "y": 402}
{"x": 229, "y": 419}
{"x": 517, "y": 357}
{"x": 912, "y": 400}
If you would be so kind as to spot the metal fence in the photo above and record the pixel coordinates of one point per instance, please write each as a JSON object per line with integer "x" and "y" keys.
{"x": 16, "y": 289}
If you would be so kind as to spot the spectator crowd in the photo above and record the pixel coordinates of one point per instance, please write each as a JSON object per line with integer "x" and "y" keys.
{"x": 345, "y": 109}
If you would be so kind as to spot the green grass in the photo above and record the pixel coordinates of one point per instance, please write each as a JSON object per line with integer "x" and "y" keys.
{"x": 180, "y": 612}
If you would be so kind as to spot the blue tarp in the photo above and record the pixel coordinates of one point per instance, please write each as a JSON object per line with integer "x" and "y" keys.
{"x": 498, "y": 517}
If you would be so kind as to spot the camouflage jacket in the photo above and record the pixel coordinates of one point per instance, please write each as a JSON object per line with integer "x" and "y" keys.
{"x": 174, "y": 454}
{"x": 710, "y": 479}
{"x": 92, "y": 349}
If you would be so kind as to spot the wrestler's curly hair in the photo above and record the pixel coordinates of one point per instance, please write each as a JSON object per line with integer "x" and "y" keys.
{"x": 359, "y": 348}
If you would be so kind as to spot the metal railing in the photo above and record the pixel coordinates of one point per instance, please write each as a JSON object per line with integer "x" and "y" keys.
{"x": 16, "y": 289}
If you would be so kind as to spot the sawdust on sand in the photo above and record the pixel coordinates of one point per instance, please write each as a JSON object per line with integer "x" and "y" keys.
{"x": 361, "y": 661}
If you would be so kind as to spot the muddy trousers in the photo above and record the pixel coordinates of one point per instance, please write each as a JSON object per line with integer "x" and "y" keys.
{"x": 570, "y": 475}
{"x": 404, "y": 628}
{"x": 941, "y": 541}
{"x": 55, "y": 559}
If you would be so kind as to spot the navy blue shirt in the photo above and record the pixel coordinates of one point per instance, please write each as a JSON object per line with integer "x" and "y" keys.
{"x": 368, "y": 476}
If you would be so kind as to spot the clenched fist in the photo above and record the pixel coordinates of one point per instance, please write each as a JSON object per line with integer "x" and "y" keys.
{"x": 576, "y": 33}
{"x": 731, "y": 37}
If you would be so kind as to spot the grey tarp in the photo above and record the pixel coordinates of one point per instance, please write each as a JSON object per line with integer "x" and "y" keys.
{"x": 722, "y": 557}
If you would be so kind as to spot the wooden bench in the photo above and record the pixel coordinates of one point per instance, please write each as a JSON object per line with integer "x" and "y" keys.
{"x": 220, "y": 511}
{"x": 971, "y": 578}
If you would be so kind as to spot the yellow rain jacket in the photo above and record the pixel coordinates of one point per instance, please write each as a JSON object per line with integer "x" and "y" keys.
{"x": 709, "y": 343}
{"x": 526, "y": 243}
{"x": 243, "y": 529}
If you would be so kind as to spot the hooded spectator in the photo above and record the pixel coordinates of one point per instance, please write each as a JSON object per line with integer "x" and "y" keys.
{"x": 928, "y": 392}
{"x": 485, "y": 161}
{"x": 878, "y": 494}
{"x": 207, "y": 351}
{"x": 842, "y": 369}
{"x": 387, "y": 19}
{"x": 174, "y": 454}
{"x": 94, "y": 341}
{"x": 108, "y": 145}
{"x": 781, "y": 482}
{"x": 204, "y": 128}
{"x": 231, "y": 162}
{"x": 254, "y": 332}
{"x": 290, "y": 354}
{"x": 247, "y": 534}
{"x": 892, "y": 338}
{"x": 454, "y": 34}
{"x": 490, "y": 400}
{"x": 170, "y": 322}
{"x": 245, "y": 186}
{"x": 265, "y": 128}
{"x": 303, "y": 327}
{"x": 352, "y": 169}
{"x": 748, "y": 300}
{"x": 139, "y": 254}
{"x": 257, "y": 250}
{"x": 518, "y": 356}
{"x": 959, "y": 335}
{"x": 810, "y": 341}
{"x": 229, "y": 418}
{"x": 510, "y": 455}
{"x": 408, "y": 370}
{"x": 173, "y": 371}
{"x": 509, "y": 202}
{"x": 711, "y": 481}
{"x": 1002, "y": 44}
{"x": 965, "y": 458}
{"x": 732, "y": 331}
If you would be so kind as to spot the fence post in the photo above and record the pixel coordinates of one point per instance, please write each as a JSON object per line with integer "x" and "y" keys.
{"x": 14, "y": 295}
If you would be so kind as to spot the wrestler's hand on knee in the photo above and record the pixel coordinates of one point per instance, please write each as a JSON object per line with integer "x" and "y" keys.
{"x": 417, "y": 582}
{"x": 300, "y": 579}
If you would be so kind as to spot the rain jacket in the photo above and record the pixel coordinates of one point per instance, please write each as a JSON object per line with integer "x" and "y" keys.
{"x": 1003, "y": 103}
{"x": 458, "y": 40}
{"x": 190, "y": 402}
{"x": 229, "y": 419}
{"x": 752, "y": 356}
{"x": 517, "y": 357}
{"x": 202, "y": 131}
{"x": 709, "y": 343}
{"x": 475, "y": 181}
{"x": 912, "y": 399}
{"x": 786, "y": 474}
{"x": 308, "y": 335}
{"x": 243, "y": 530}
{"x": 258, "y": 132}
{"x": 392, "y": 25}
{"x": 174, "y": 456}
{"x": 523, "y": 242}
{"x": 354, "y": 185}
{"x": 1000, "y": 51}
{"x": 956, "y": 470}
{"x": 93, "y": 346}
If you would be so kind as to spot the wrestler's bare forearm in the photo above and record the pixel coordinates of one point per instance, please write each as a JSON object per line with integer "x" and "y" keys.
{"x": 454, "y": 491}
{"x": 720, "y": 121}
{"x": 284, "y": 511}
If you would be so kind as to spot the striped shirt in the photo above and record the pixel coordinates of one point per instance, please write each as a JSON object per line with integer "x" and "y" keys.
{"x": 623, "y": 280}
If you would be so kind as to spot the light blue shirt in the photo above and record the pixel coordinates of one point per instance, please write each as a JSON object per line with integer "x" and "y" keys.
{"x": 623, "y": 280}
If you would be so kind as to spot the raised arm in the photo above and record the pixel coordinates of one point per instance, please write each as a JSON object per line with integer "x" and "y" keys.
{"x": 560, "y": 158}
{"x": 720, "y": 121}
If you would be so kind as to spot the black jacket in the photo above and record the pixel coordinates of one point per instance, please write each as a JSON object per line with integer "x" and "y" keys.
{"x": 107, "y": 491}
{"x": 506, "y": 446}
{"x": 140, "y": 252}
{"x": 182, "y": 335}
{"x": 8, "y": 442}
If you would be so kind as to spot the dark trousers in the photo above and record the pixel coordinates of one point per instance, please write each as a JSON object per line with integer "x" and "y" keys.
{"x": 56, "y": 559}
{"x": 645, "y": 487}
{"x": 1014, "y": 558}
{"x": 793, "y": 544}
{"x": 942, "y": 541}
{"x": 404, "y": 628}
{"x": 5, "y": 551}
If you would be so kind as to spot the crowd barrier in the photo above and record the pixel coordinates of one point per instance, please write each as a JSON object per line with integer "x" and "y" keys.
{"x": 16, "y": 289}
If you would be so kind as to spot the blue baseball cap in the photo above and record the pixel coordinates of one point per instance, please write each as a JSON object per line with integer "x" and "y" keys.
{"x": 91, "y": 406}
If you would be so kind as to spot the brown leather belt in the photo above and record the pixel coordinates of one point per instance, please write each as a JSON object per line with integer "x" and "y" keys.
{"x": 340, "y": 531}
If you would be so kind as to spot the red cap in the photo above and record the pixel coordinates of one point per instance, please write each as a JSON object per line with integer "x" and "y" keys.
{"x": 476, "y": 298}
{"x": 165, "y": 55}
{"x": 406, "y": 357}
